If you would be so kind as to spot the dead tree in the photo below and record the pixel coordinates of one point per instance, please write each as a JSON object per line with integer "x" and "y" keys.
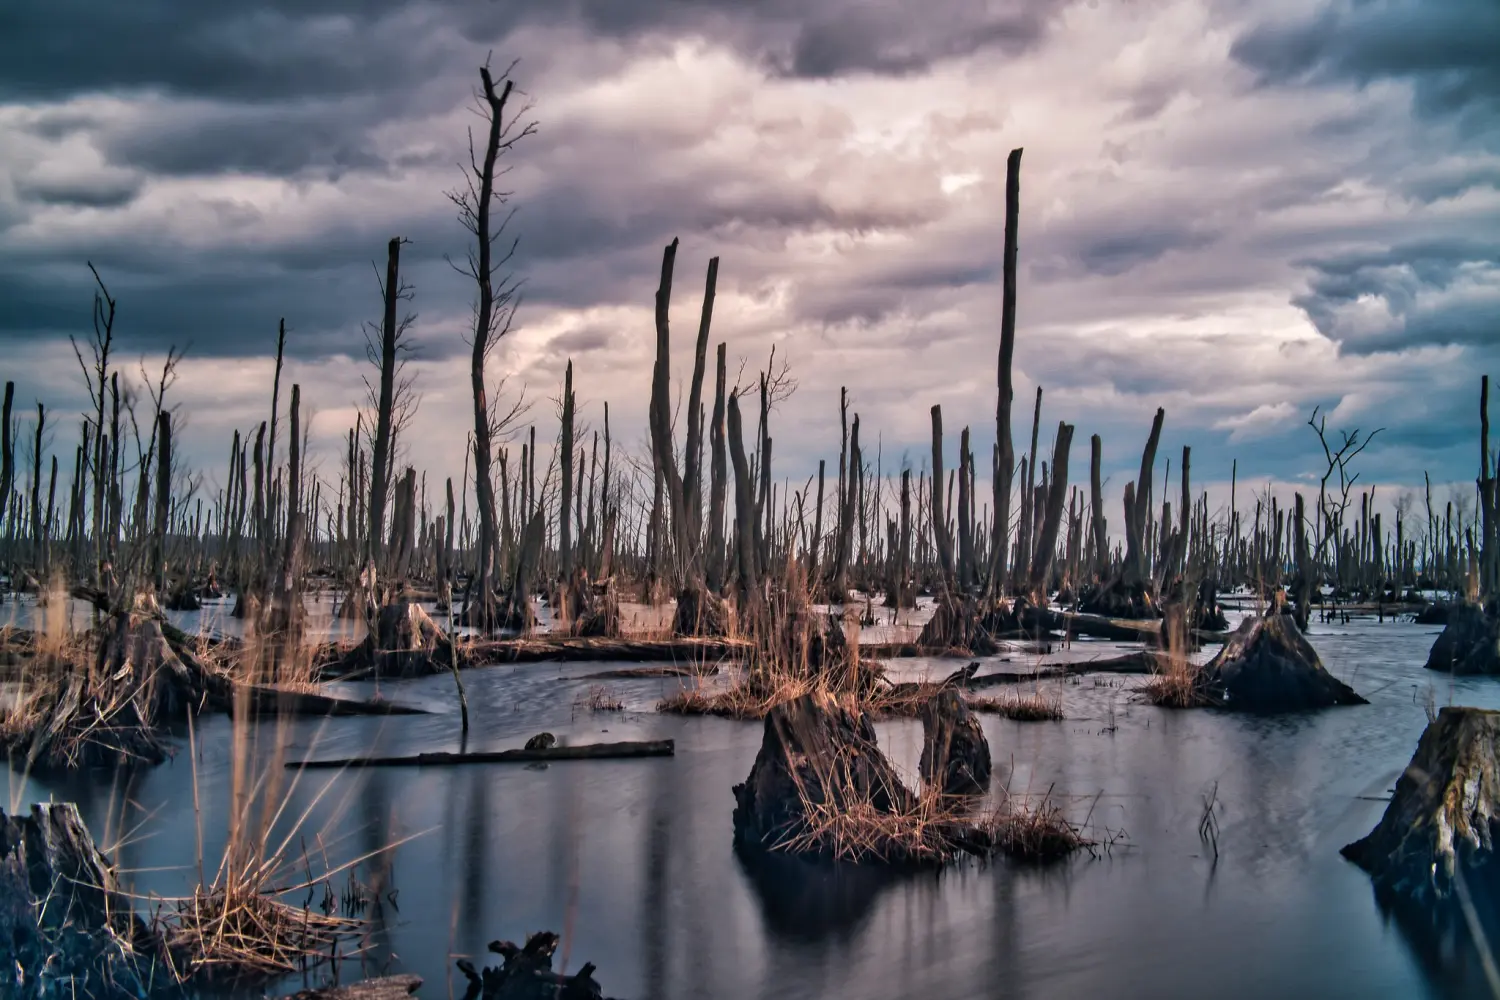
{"x": 1057, "y": 494}
{"x": 940, "y": 534}
{"x": 493, "y": 313}
{"x": 699, "y": 612}
{"x": 1096, "y": 506}
{"x": 1005, "y": 456}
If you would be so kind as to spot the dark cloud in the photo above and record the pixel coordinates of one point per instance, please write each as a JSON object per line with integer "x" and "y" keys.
{"x": 269, "y": 50}
{"x": 1431, "y": 292}
{"x": 110, "y": 190}
{"x": 1446, "y": 48}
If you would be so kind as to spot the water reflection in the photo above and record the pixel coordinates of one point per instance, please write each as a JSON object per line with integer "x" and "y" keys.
{"x": 633, "y": 861}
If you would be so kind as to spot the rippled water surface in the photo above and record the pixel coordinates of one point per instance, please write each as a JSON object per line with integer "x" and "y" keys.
{"x": 632, "y": 860}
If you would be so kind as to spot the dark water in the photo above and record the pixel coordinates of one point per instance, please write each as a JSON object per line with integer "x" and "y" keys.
{"x": 633, "y": 862}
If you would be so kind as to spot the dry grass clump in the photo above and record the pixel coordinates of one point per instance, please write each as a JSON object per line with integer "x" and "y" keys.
{"x": 1038, "y": 706}
{"x": 240, "y": 924}
{"x": 233, "y": 930}
{"x": 1178, "y": 683}
{"x": 1033, "y": 831}
{"x": 857, "y": 832}
{"x": 600, "y": 698}
{"x": 749, "y": 699}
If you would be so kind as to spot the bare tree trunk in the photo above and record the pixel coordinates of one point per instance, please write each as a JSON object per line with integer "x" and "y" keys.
{"x": 163, "y": 500}
{"x": 939, "y": 521}
{"x": 744, "y": 514}
{"x": 717, "y": 484}
{"x": 1005, "y": 458}
{"x": 1057, "y": 494}
{"x": 966, "y": 572}
{"x": 564, "y": 526}
{"x": 380, "y": 457}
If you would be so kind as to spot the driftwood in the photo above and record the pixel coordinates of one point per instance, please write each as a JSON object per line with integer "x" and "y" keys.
{"x": 1100, "y": 627}
{"x": 629, "y": 673}
{"x": 565, "y": 648}
{"x": 384, "y": 988}
{"x": 265, "y": 700}
{"x": 587, "y": 751}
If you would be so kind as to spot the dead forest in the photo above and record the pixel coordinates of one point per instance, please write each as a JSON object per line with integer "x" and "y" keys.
{"x": 541, "y": 546}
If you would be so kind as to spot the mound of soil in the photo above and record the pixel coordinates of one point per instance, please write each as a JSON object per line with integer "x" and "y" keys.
{"x": 1436, "y": 613}
{"x": 955, "y": 753}
{"x": 1268, "y": 666}
{"x": 1442, "y": 822}
{"x": 1469, "y": 643}
{"x": 68, "y": 930}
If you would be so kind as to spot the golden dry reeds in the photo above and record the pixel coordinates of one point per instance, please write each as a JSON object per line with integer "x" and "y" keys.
{"x": 599, "y": 698}
{"x": 1034, "y": 706}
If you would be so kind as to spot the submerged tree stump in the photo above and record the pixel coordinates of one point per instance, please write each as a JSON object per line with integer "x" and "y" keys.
{"x": 67, "y": 930}
{"x": 814, "y": 753}
{"x": 1470, "y": 641}
{"x": 1268, "y": 666}
{"x": 955, "y": 753}
{"x": 1442, "y": 822}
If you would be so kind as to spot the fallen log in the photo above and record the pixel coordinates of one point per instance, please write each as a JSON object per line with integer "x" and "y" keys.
{"x": 1099, "y": 627}
{"x": 383, "y": 988}
{"x": 628, "y": 673}
{"x": 266, "y": 700}
{"x": 565, "y": 648}
{"x": 586, "y": 751}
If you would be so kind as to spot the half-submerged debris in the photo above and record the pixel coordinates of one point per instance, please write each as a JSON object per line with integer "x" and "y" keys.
{"x": 1435, "y": 845}
{"x": 1469, "y": 642}
{"x": 67, "y": 928}
{"x": 526, "y": 974}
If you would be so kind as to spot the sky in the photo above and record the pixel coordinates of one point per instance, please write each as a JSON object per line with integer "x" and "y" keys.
{"x": 1234, "y": 210}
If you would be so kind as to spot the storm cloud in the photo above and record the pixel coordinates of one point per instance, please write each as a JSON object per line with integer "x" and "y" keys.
{"x": 1235, "y": 210}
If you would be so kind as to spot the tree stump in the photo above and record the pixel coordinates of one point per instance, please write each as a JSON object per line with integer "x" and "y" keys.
{"x": 596, "y": 609}
{"x": 955, "y": 624}
{"x": 955, "y": 753}
{"x": 1470, "y": 641}
{"x": 405, "y": 642}
{"x": 814, "y": 752}
{"x": 701, "y": 613}
{"x": 1268, "y": 666}
{"x": 68, "y": 930}
{"x": 1442, "y": 823}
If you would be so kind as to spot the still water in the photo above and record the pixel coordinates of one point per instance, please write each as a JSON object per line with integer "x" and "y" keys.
{"x": 632, "y": 861}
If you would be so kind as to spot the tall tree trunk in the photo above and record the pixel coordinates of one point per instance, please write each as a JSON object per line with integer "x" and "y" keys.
{"x": 1005, "y": 457}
